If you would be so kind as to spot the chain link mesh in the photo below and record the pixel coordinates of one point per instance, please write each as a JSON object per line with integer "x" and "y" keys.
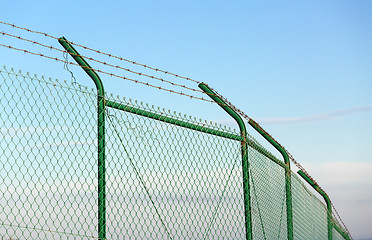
{"x": 175, "y": 183}
{"x": 267, "y": 185}
{"x": 162, "y": 181}
{"x": 309, "y": 213}
{"x": 47, "y": 171}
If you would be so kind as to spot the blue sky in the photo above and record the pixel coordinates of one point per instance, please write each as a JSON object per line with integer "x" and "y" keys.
{"x": 301, "y": 69}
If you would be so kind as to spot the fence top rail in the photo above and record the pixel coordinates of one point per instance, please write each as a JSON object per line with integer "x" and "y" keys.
{"x": 151, "y": 111}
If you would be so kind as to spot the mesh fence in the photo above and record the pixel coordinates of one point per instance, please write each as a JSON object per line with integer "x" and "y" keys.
{"x": 174, "y": 182}
{"x": 309, "y": 213}
{"x": 268, "y": 197}
{"x": 48, "y": 168}
{"x": 163, "y": 181}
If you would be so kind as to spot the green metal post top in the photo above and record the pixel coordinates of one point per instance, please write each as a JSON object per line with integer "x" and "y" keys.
{"x": 225, "y": 107}
{"x": 245, "y": 163}
{"x": 101, "y": 135}
{"x": 326, "y": 198}
{"x": 288, "y": 185}
{"x": 241, "y": 124}
{"x": 317, "y": 188}
{"x": 267, "y": 136}
{"x": 87, "y": 68}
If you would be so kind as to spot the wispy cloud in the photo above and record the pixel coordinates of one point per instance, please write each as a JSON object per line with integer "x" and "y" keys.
{"x": 316, "y": 117}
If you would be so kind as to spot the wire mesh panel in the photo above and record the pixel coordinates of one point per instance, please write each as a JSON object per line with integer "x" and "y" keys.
{"x": 169, "y": 182}
{"x": 162, "y": 181}
{"x": 267, "y": 185}
{"x": 309, "y": 213}
{"x": 48, "y": 160}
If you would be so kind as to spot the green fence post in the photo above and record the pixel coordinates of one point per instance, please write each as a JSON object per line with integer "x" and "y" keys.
{"x": 101, "y": 135}
{"x": 288, "y": 184}
{"x": 326, "y": 198}
{"x": 244, "y": 150}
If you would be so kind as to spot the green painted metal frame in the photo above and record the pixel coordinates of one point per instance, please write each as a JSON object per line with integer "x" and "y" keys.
{"x": 326, "y": 199}
{"x": 243, "y": 138}
{"x": 244, "y": 150}
{"x": 191, "y": 126}
{"x": 101, "y": 134}
{"x": 330, "y": 223}
{"x": 288, "y": 184}
{"x": 102, "y": 103}
{"x": 170, "y": 120}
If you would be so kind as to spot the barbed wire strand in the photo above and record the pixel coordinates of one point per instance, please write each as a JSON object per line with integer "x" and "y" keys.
{"x": 107, "y": 73}
{"x": 115, "y": 75}
{"x": 101, "y": 62}
{"x": 104, "y": 63}
{"x": 125, "y": 78}
{"x": 51, "y": 47}
{"x": 103, "y": 53}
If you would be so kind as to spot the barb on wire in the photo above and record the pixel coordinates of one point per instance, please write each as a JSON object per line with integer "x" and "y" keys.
{"x": 231, "y": 105}
{"x": 103, "y": 53}
{"x": 107, "y": 73}
{"x": 104, "y": 63}
{"x": 101, "y": 62}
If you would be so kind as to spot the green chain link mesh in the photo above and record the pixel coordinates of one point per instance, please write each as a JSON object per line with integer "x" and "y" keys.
{"x": 268, "y": 197}
{"x": 174, "y": 182}
{"x": 48, "y": 172}
{"x": 309, "y": 213}
{"x": 162, "y": 181}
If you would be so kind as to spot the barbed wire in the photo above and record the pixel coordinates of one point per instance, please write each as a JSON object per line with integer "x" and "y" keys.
{"x": 101, "y": 62}
{"x": 118, "y": 76}
{"x": 230, "y": 104}
{"x": 103, "y": 53}
{"x": 66, "y": 62}
{"x": 107, "y": 73}
{"x": 126, "y": 69}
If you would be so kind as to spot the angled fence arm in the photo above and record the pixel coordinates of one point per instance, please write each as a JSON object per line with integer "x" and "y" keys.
{"x": 101, "y": 134}
{"x": 288, "y": 184}
{"x": 244, "y": 150}
{"x": 326, "y": 199}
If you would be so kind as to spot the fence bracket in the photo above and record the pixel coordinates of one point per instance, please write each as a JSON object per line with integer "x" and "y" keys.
{"x": 101, "y": 134}
{"x": 244, "y": 150}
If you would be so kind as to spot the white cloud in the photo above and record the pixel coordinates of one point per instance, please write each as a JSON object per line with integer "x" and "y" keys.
{"x": 317, "y": 117}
